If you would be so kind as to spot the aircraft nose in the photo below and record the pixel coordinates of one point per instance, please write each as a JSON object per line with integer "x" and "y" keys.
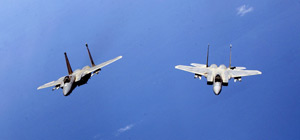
{"x": 217, "y": 88}
{"x": 67, "y": 89}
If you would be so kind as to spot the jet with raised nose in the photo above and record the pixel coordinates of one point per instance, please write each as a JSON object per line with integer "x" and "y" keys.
{"x": 217, "y": 76}
{"x": 78, "y": 77}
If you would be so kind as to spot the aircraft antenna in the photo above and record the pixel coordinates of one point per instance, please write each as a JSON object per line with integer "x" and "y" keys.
{"x": 207, "y": 55}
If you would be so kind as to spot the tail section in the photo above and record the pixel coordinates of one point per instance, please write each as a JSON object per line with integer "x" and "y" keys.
{"x": 92, "y": 62}
{"x": 70, "y": 71}
{"x": 207, "y": 56}
{"x": 230, "y": 61}
{"x": 230, "y": 57}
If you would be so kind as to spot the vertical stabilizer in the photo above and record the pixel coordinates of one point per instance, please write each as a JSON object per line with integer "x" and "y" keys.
{"x": 68, "y": 64}
{"x": 87, "y": 47}
{"x": 230, "y": 57}
{"x": 207, "y": 56}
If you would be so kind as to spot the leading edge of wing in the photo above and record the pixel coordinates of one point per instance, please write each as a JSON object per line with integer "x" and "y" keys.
{"x": 109, "y": 62}
{"x": 52, "y": 83}
{"x": 198, "y": 65}
{"x": 241, "y": 73}
{"x": 195, "y": 70}
{"x": 92, "y": 69}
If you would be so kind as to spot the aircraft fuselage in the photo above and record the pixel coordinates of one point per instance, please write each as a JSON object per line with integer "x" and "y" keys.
{"x": 218, "y": 77}
{"x": 77, "y": 78}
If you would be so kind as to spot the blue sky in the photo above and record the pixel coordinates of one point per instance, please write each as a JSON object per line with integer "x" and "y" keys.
{"x": 143, "y": 96}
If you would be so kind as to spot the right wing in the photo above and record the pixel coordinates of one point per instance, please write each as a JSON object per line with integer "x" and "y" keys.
{"x": 241, "y": 73}
{"x": 238, "y": 68}
{"x": 195, "y": 70}
{"x": 56, "y": 83}
{"x": 97, "y": 67}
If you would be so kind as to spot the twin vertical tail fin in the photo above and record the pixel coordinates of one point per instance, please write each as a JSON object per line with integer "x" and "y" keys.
{"x": 92, "y": 62}
{"x": 207, "y": 56}
{"x": 230, "y": 57}
{"x": 70, "y": 71}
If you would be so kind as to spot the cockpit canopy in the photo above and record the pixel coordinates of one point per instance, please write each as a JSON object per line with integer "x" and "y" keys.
{"x": 222, "y": 66}
{"x": 218, "y": 78}
{"x": 67, "y": 79}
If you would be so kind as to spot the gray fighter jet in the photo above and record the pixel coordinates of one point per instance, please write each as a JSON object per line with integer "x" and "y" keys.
{"x": 78, "y": 77}
{"x": 217, "y": 76}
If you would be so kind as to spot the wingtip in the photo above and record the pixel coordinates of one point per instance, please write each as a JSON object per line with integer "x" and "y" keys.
{"x": 258, "y": 72}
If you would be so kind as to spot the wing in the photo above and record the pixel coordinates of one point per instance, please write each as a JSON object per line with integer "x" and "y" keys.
{"x": 97, "y": 67}
{"x": 198, "y": 65}
{"x": 53, "y": 83}
{"x": 195, "y": 70}
{"x": 238, "y": 68}
{"x": 241, "y": 73}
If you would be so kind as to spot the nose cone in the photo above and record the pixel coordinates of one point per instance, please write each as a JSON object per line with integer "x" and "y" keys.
{"x": 217, "y": 88}
{"x": 69, "y": 85}
{"x": 67, "y": 89}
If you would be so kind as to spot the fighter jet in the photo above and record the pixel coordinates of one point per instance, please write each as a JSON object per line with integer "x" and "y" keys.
{"x": 78, "y": 77}
{"x": 217, "y": 76}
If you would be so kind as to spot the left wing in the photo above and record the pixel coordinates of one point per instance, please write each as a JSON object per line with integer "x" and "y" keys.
{"x": 198, "y": 65}
{"x": 97, "y": 67}
{"x": 53, "y": 83}
{"x": 241, "y": 73}
{"x": 195, "y": 70}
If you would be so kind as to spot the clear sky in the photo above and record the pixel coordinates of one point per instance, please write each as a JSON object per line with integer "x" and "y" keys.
{"x": 143, "y": 96}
